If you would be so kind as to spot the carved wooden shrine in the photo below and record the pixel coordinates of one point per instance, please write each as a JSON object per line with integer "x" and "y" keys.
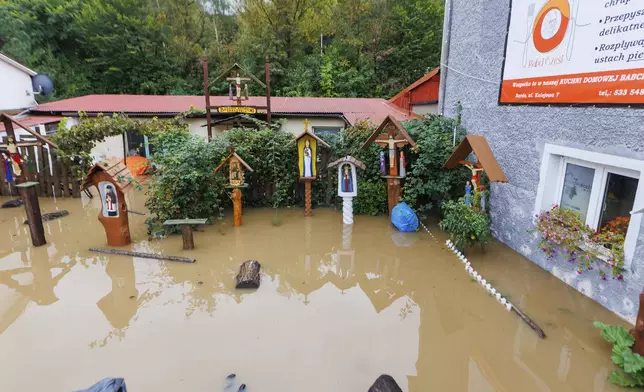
{"x": 17, "y": 171}
{"x": 486, "y": 162}
{"x": 392, "y": 135}
{"x": 236, "y": 178}
{"x": 307, "y": 147}
{"x": 112, "y": 179}
{"x": 347, "y": 184}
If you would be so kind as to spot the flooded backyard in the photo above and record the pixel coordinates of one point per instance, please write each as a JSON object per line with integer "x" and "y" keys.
{"x": 337, "y": 307}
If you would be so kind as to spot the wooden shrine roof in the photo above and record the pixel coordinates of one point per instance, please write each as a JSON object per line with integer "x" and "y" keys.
{"x": 477, "y": 144}
{"x": 350, "y": 159}
{"x": 400, "y": 135}
{"x": 115, "y": 169}
{"x": 233, "y": 154}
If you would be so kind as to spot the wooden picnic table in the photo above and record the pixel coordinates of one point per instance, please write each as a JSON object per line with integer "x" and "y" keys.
{"x": 186, "y": 229}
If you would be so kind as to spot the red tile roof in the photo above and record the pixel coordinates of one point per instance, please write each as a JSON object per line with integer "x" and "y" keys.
{"x": 31, "y": 121}
{"x": 353, "y": 109}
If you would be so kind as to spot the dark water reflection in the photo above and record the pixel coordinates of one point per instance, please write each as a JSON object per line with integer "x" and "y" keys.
{"x": 337, "y": 307}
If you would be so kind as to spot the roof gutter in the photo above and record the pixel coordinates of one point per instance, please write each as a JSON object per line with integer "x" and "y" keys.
{"x": 447, "y": 31}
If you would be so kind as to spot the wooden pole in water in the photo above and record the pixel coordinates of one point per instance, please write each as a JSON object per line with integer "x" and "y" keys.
{"x": 206, "y": 93}
{"x": 393, "y": 193}
{"x": 529, "y": 321}
{"x": 142, "y": 255}
{"x": 307, "y": 198}
{"x": 27, "y": 192}
{"x": 237, "y": 207}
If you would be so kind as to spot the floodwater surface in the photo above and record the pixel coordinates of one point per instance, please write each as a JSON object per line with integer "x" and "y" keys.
{"x": 337, "y": 307}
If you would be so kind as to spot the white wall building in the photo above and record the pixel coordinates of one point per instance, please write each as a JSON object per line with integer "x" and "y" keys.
{"x": 17, "y": 92}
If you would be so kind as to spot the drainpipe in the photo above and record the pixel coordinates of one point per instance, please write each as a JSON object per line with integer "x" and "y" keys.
{"x": 447, "y": 30}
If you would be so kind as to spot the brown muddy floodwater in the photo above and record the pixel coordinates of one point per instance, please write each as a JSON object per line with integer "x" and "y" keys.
{"x": 337, "y": 308}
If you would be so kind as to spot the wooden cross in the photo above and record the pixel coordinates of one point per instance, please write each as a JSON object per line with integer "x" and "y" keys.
{"x": 306, "y": 124}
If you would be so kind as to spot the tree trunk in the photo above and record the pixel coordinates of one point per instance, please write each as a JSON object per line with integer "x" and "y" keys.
{"x": 638, "y": 331}
{"x": 385, "y": 383}
{"x": 248, "y": 277}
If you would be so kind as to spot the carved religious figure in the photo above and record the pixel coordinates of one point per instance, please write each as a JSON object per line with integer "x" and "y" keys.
{"x": 476, "y": 174}
{"x": 383, "y": 169}
{"x": 308, "y": 159}
{"x": 110, "y": 200}
{"x": 14, "y": 156}
{"x": 6, "y": 166}
{"x": 347, "y": 179}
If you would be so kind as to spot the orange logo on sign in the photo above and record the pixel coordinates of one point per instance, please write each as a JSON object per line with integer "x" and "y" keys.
{"x": 551, "y": 25}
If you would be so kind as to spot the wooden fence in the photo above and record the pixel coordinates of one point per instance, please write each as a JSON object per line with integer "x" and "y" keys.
{"x": 54, "y": 178}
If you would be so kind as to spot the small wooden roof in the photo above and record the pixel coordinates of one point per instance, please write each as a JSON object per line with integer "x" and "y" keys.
{"x": 233, "y": 154}
{"x": 399, "y": 131}
{"x": 238, "y": 68}
{"x": 307, "y": 132}
{"x": 350, "y": 159}
{"x": 115, "y": 169}
{"x": 484, "y": 154}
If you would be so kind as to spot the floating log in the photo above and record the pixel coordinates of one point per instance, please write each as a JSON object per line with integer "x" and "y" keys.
{"x": 385, "y": 383}
{"x": 52, "y": 216}
{"x": 12, "y": 204}
{"x": 248, "y": 277}
{"x": 143, "y": 255}
{"x": 529, "y": 321}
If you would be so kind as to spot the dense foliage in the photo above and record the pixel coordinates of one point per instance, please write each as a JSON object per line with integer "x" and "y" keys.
{"x": 562, "y": 231}
{"x": 631, "y": 364}
{"x": 318, "y": 47}
{"x": 185, "y": 184}
{"x": 76, "y": 142}
{"x": 427, "y": 182}
{"x": 466, "y": 226}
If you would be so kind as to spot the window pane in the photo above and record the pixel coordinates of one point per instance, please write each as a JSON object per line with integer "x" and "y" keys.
{"x": 135, "y": 144}
{"x": 618, "y": 201}
{"x": 578, "y": 184}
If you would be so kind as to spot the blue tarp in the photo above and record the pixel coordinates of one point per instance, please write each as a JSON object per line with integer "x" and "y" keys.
{"x": 107, "y": 385}
{"x": 404, "y": 218}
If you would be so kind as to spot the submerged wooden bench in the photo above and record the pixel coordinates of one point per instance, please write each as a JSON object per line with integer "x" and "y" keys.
{"x": 186, "y": 229}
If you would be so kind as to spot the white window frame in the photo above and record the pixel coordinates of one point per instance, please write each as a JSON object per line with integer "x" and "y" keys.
{"x": 553, "y": 165}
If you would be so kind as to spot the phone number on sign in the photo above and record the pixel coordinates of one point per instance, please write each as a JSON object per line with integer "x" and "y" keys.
{"x": 625, "y": 92}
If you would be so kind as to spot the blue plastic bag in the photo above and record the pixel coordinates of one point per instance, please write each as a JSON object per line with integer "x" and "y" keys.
{"x": 107, "y": 385}
{"x": 404, "y": 218}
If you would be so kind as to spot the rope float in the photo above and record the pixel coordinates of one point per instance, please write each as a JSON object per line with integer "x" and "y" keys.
{"x": 487, "y": 286}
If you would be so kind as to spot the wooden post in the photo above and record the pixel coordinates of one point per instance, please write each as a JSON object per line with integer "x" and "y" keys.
{"x": 188, "y": 240}
{"x": 268, "y": 89}
{"x": 41, "y": 170}
{"x": 248, "y": 277}
{"x": 206, "y": 93}
{"x": 29, "y": 196}
{"x": 64, "y": 178}
{"x": 56, "y": 166}
{"x": 237, "y": 207}
{"x": 307, "y": 198}
{"x": 393, "y": 192}
{"x": 638, "y": 331}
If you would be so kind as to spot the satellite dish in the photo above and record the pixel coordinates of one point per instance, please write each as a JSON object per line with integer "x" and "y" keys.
{"x": 42, "y": 84}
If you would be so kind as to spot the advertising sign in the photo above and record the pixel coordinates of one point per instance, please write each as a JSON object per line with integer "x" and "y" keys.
{"x": 574, "y": 52}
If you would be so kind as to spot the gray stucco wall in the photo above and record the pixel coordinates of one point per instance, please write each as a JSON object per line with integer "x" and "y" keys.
{"x": 517, "y": 135}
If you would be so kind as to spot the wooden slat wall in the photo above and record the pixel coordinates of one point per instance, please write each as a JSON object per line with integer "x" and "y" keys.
{"x": 59, "y": 180}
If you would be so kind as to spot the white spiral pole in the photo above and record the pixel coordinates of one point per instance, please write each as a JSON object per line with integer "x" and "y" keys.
{"x": 347, "y": 210}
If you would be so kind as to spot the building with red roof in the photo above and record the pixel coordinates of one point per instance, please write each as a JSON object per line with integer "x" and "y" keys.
{"x": 421, "y": 97}
{"x": 325, "y": 115}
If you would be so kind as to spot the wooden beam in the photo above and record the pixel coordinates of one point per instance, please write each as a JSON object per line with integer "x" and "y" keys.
{"x": 38, "y": 136}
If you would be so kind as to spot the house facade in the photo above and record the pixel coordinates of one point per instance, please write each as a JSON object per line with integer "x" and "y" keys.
{"x": 559, "y": 136}
{"x": 17, "y": 92}
{"x": 420, "y": 97}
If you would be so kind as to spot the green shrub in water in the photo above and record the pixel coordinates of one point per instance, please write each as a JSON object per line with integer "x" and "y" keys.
{"x": 466, "y": 226}
{"x": 631, "y": 373}
{"x": 427, "y": 183}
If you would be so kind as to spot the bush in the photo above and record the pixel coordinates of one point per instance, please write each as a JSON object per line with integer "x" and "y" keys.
{"x": 632, "y": 365}
{"x": 185, "y": 184}
{"x": 427, "y": 183}
{"x": 466, "y": 226}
